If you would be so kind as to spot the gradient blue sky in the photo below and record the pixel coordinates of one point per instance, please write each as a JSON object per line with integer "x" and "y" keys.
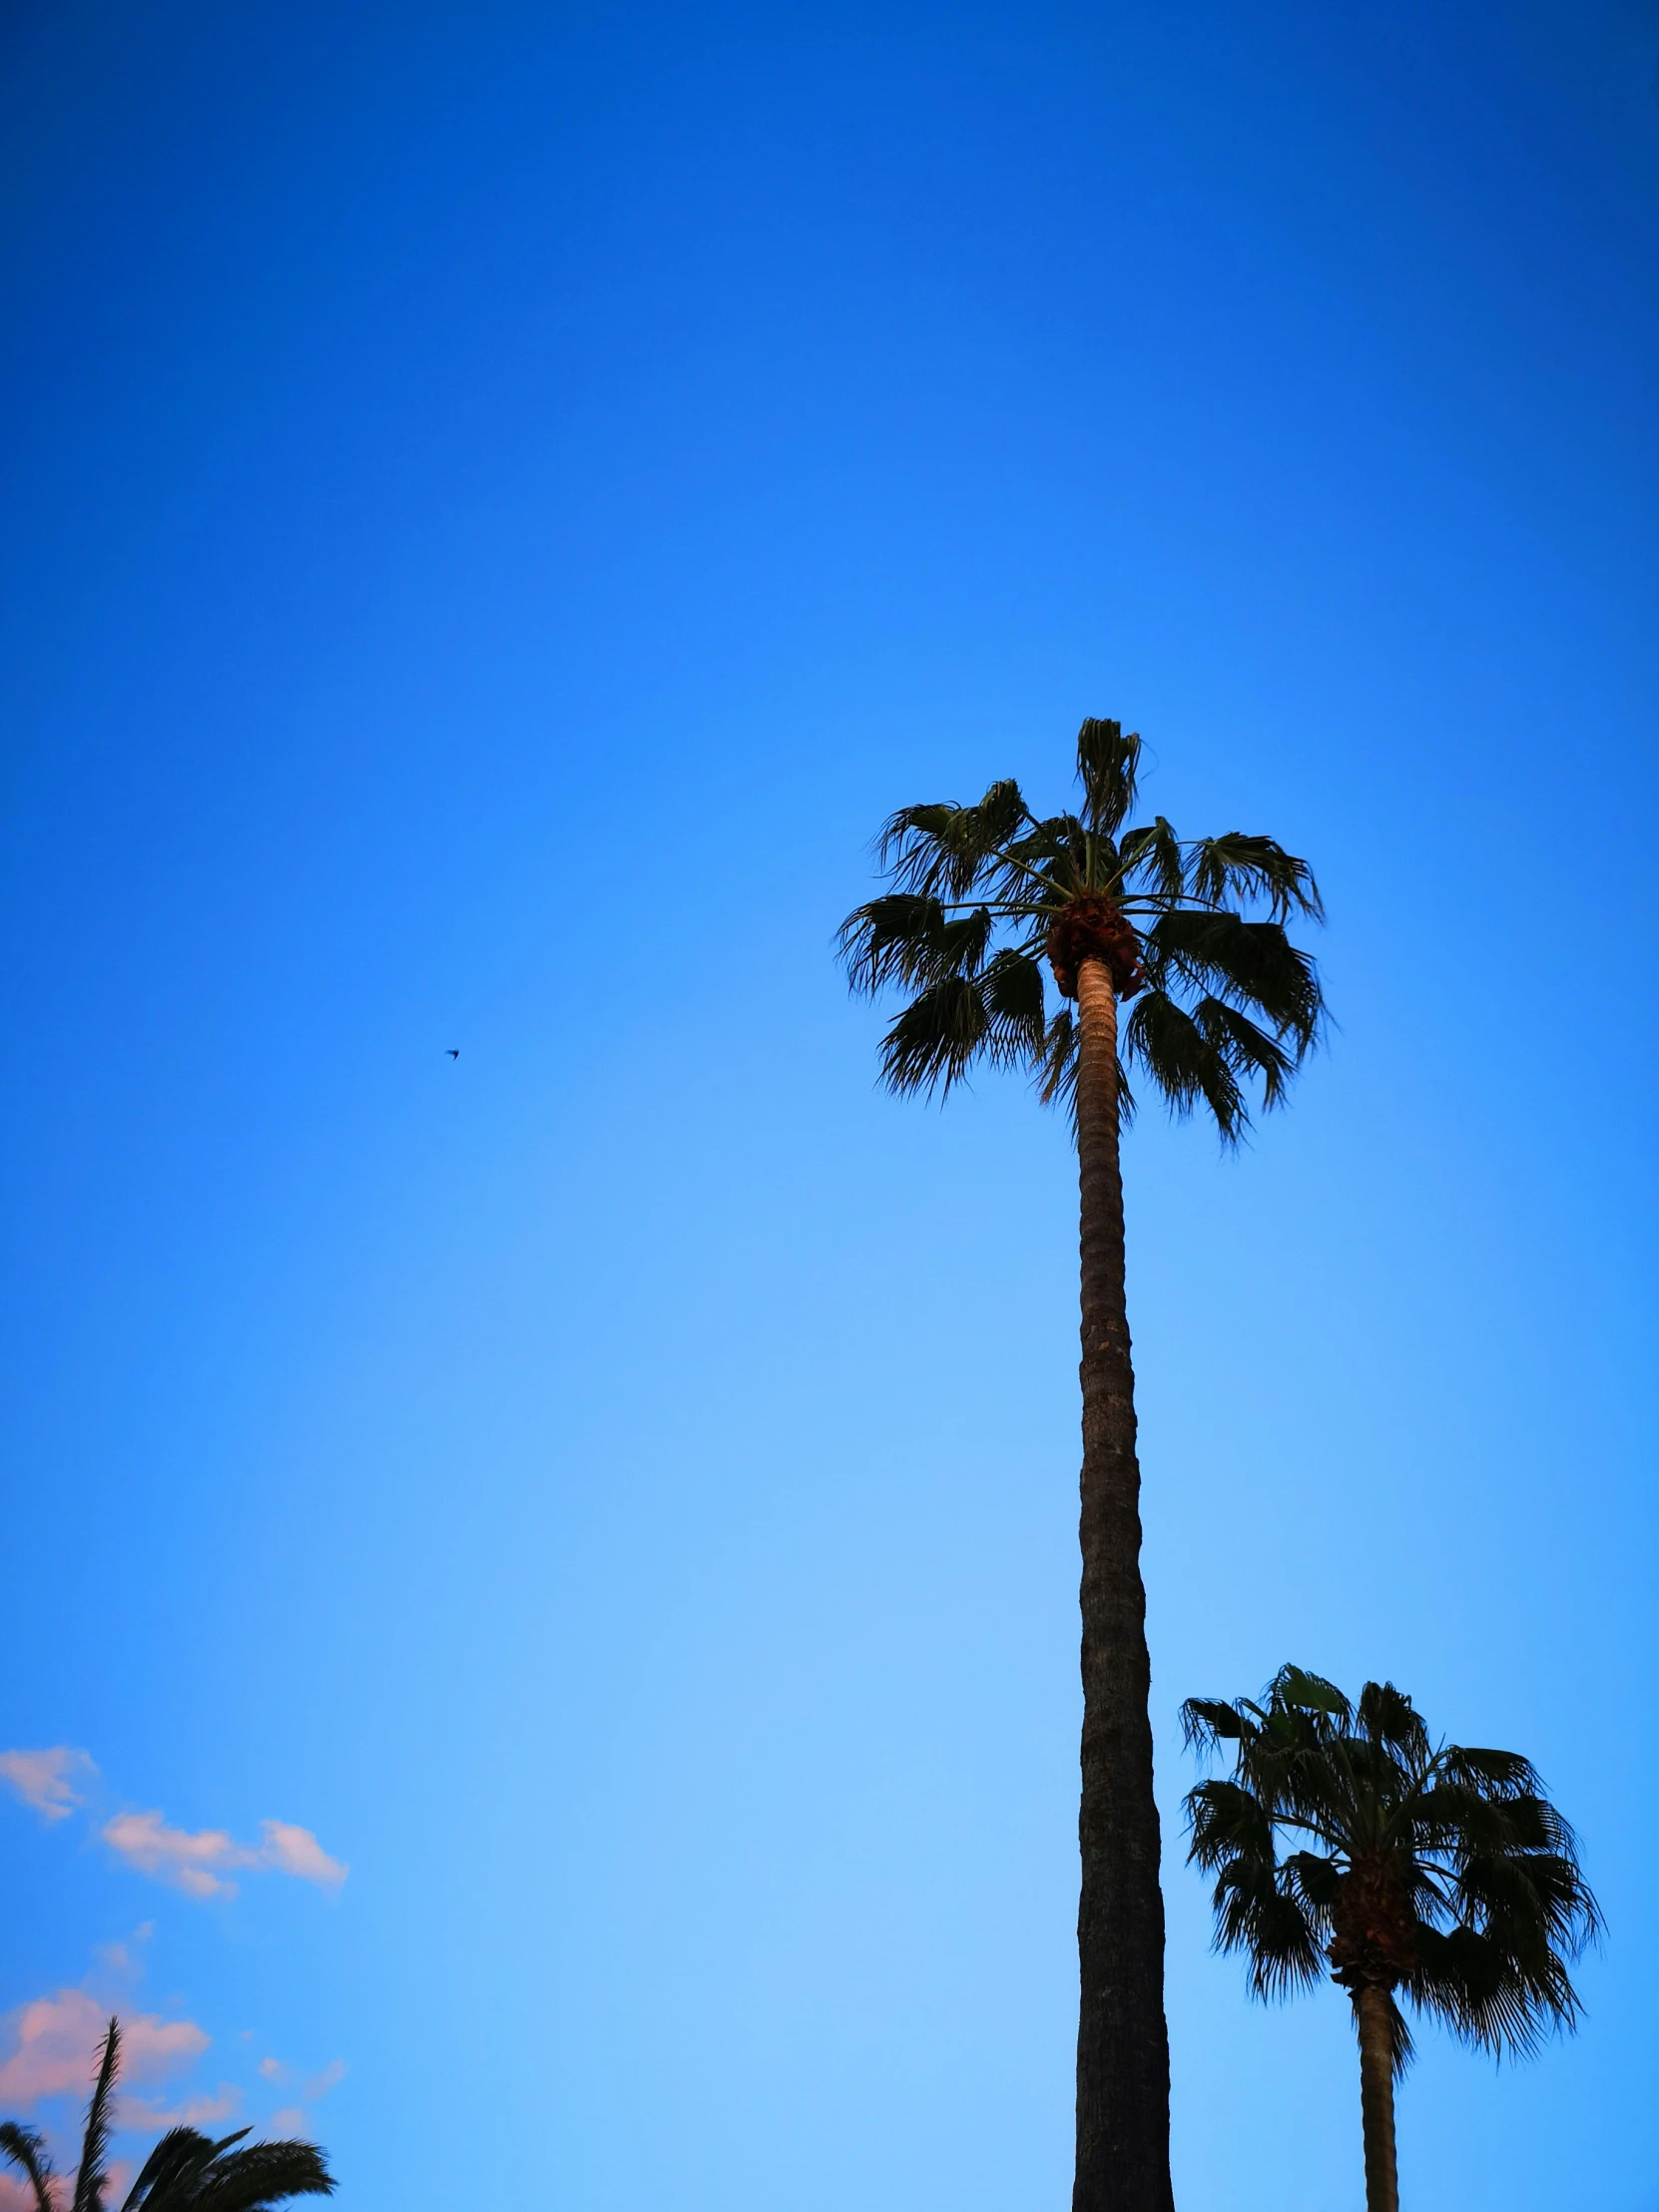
{"x": 498, "y": 503}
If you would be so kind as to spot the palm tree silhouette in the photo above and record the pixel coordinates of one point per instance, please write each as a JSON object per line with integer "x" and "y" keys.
{"x": 1193, "y": 933}
{"x": 1435, "y": 1872}
{"x": 185, "y": 2172}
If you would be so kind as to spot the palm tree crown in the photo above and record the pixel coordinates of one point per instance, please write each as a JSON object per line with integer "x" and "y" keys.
{"x": 185, "y": 2172}
{"x": 1431, "y": 1869}
{"x": 1192, "y": 929}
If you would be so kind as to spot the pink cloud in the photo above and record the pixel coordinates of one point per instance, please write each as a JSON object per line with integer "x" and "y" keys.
{"x": 295, "y": 1850}
{"x": 43, "y": 1778}
{"x": 58, "y": 2039}
{"x": 17, "y": 2196}
{"x": 148, "y": 2116}
{"x": 174, "y": 1855}
{"x": 199, "y": 1861}
{"x": 124, "y": 1959}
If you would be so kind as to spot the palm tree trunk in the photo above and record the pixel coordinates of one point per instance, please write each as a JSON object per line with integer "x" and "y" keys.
{"x": 1122, "y": 2042}
{"x": 1376, "y": 2097}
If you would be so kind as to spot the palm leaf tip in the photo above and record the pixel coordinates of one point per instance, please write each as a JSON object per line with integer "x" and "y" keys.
{"x": 1205, "y": 1720}
{"x": 1255, "y": 868}
{"x": 92, "y": 2174}
{"x": 25, "y": 2148}
{"x": 1108, "y": 768}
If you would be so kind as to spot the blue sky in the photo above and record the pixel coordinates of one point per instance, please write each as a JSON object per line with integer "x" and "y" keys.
{"x": 499, "y": 503}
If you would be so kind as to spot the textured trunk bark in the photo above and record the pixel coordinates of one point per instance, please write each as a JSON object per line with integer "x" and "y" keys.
{"x": 1122, "y": 2042}
{"x": 1377, "y": 2099}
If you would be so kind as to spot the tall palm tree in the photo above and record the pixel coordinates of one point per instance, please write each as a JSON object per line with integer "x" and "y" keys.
{"x": 1432, "y": 1872}
{"x": 1193, "y": 933}
{"x": 185, "y": 2172}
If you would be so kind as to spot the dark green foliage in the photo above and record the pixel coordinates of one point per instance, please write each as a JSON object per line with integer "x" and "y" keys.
{"x": 23, "y": 2146}
{"x": 1228, "y": 1001}
{"x": 90, "y": 2175}
{"x": 188, "y": 2172}
{"x": 1486, "y": 1870}
{"x": 185, "y": 2172}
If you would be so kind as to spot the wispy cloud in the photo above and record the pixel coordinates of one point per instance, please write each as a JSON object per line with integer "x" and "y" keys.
{"x": 47, "y": 1779}
{"x": 57, "y": 2041}
{"x": 295, "y": 1850}
{"x": 126, "y": 1958}
{"x": 295, "y": 2119}
{"x": 150, "y": 2116}
{"x": 189, "y": 1861}
{"x": 199, "y": 1861}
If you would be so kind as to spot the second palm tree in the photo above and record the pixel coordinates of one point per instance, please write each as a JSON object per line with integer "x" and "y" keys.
{"x": 1427, "y": 1871}
{"x": 1193, "y": 933}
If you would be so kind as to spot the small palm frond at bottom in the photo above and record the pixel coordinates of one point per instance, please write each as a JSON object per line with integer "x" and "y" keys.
{"x": 24, "y": 2148}
{"x": 190, "y": 2172}
{"x": 181, "y": 2154}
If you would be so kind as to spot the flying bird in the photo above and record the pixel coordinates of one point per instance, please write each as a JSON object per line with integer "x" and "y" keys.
{"x": 453, "y": 1050}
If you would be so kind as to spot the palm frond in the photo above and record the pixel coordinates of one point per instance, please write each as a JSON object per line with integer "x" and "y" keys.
{"x": 1266, "y": 1922}
{"x": 1206, "y": 1720}
{"x": 1390, "y": 1716}
{"x": 1254, "y": 869}
{"x": 1108, "y": 762}
{"x": 1252, "y": 965}
{"x": 933, "y": 1041}
{"x": 911, "y": 940}
{"x": 1185, "y": 1064}
{"x": 1302, "y": 1692}
{"x": 1259, "y": 1905}
{"x": 1314, "y": 1879}
{"x": 1151, "y": 859}
{"x": 1504, "y": 1771}
{"x": 1011, "y": 991}
{"x": 1049, "y": 863}
{"x": 188, "y": 2172}
{"x": 1477, "y": 1987}
{"x": 255, "y": 2179}
{"x": 1057, "y": 1068}
{"x": 1528, "y": 1898}
{"x": 91, "y": 2175}
{"x": 25, "y": 2148}
{"x": 1247, "y": 1049}
{"x": 941, "y": 850}
{"x": 1228, "y": 1822}
{"x": 181, "y": 2152}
